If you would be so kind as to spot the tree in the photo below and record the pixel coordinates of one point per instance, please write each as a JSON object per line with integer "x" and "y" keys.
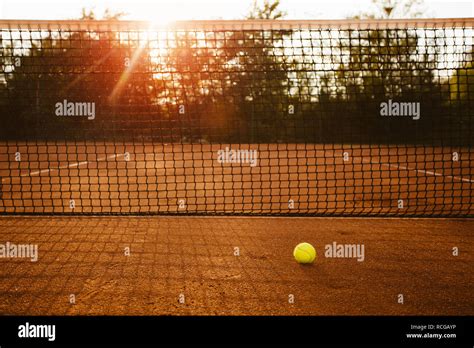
{"x": 78, "y": 66}
{"x": 234, "y": 84}
{"x": 386, "y": 9}
{"x": 380, "y": 65}
{"x": 461, "y": 84}
{"x": 266, "y": 10}
{"x": 259, "y": 75}
{"x": 461, "y": 102}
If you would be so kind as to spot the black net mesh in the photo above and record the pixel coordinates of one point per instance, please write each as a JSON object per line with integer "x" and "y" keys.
{"x": 250, "y": 117}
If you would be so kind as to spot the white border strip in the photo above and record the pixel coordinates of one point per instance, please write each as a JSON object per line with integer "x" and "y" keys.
{"x": 236, "y": 24}
{"x": 428, "y": 172}
{"x": 73, "y": 165}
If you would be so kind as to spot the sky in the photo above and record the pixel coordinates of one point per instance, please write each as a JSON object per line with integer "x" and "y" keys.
{"x": 169, "y": 10}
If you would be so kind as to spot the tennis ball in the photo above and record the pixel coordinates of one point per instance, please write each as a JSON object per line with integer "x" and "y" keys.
{"x": 304, "y": 253}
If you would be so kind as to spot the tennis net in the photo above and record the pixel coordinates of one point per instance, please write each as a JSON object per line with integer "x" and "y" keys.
{"x": 338, "y": 118}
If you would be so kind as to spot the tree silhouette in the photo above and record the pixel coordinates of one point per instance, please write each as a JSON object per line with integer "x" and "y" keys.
{"x": 461, "y": 84}
{"x": 375, "y": 66}
{"x": 76, "y": 66}
{"x": 234, "y": 83}
{"x": 388, "y": 9}
{"x": 461, "y": 101}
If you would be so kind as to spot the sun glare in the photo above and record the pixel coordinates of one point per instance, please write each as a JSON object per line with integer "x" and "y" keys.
{"x": 168, "y": 12}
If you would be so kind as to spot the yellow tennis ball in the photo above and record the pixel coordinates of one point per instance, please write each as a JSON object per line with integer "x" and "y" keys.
{"x": 304, "y": 253}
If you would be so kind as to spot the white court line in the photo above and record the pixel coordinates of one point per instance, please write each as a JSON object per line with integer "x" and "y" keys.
{"x": 73, "y": 165}
{"x": 424, "y": 171}
{"x": 78, "y": 164}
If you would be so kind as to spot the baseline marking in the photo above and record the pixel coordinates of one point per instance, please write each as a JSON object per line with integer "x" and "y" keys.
{"x": 73, "y": 165}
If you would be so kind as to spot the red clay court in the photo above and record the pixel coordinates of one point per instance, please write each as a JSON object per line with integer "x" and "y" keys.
{"x": 110, "y": 135}
{"x": 194, "y": 256}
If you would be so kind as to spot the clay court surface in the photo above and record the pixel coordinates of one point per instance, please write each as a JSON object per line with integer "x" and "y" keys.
{"x": 185, "y": 265}
{"x": 151, "y": 178}
{"x": 194, "y": 256}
